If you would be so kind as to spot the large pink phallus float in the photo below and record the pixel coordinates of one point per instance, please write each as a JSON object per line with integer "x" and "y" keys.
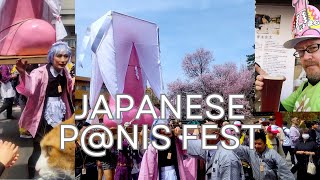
{"x": 125, "y": 55}
{"x": 25, "y": 26}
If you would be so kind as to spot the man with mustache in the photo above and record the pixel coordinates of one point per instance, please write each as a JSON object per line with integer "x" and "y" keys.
{"x": 306, "y": 42}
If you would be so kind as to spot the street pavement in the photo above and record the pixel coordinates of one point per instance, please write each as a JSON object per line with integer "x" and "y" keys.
{"x": 288, "y": 158}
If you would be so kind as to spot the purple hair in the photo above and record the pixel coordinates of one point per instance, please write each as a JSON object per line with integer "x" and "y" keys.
{"x": 56, "y": 48}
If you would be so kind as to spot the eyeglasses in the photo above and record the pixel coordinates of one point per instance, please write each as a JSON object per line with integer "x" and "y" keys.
{"x": 310, "y": 49}
{"x": 64, "y": 55}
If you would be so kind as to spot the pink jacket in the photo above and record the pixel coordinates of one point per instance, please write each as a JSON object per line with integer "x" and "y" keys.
{"x": 34, "y": 87}
{"x": 149, "y": 164}
{"x": 190, "y": 167}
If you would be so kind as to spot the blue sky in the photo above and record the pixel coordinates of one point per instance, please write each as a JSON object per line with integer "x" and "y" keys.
{"x": 224, "y": 27}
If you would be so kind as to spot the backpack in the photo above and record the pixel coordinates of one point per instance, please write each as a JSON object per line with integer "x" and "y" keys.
{"x": 284, "y": 128}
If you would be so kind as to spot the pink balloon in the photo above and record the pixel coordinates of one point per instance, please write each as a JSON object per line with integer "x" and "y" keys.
{"x": 22, "y": 32}
{"x": 128, "y": 116}
{"x": 32, "y": 37}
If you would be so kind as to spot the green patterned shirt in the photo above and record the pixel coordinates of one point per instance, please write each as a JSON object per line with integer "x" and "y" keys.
{"x": 304, "y": 100}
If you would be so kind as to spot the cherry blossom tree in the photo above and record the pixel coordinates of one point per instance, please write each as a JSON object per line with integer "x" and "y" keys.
{"x": 224, "y": 79}
{"x": 197, "y": 64}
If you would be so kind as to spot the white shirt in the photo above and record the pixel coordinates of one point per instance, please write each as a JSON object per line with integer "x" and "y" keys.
{"x": 54, "y": 72}
{"x": 287, "y": 141}
{"x": 7, "y": 90}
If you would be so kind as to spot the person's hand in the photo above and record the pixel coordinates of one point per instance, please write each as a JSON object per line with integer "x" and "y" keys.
{"x": 21, "y": 66}
{"x": 177, "y": 131}
{"x": 260, "y": 121}
{"x": 196, "y": 132}
{"x": 259, "y": 79}
{"x": 259, "y": 82}
{"x": 13, "y": 161}
{"x": 309, "y": 153}
{"x": 300, "y": 152}
{"x": 259, "y": 70}
{"x": 8, "y": 153}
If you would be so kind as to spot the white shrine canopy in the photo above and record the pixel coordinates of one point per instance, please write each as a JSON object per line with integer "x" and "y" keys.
{"x": 111, "y": 38}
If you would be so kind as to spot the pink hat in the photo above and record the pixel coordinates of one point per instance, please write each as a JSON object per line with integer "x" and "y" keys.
{"x": 273, "y": 129}
{"x": 305, "y": 23}
{"x": 237, "y": 123}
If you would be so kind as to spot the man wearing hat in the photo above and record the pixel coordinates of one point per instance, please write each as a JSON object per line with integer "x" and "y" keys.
{"x": 280, "y": 135}
{"x": 306, "y": 43}
{"x": 243, "y": 136}
{"x": 272, "y": 140}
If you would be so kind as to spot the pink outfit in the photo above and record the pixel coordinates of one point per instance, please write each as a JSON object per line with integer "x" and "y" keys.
{"x": 149, "y": 165}
{"x": 34, "y": 87}
{"x": 190, "y": 166}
